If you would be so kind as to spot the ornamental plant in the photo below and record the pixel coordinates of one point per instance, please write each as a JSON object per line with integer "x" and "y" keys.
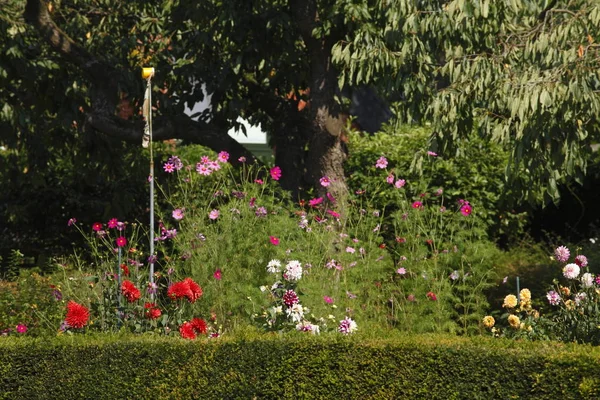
{"x": 569, "y": 311}
{"x": 115, "y": 292}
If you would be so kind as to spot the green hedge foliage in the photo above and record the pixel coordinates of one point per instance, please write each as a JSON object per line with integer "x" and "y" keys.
{"x": 298, "y": 367}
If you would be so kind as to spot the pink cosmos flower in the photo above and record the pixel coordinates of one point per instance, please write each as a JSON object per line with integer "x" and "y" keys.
{"x": 121, "y": 241}
{"x": 390, "y": 179}
{"x": 214, "y": 214}
{"x": 21, "y": 328}
{"x": 71, "y": 222}
{"x": 432, "y": 154}
{"x": 315, "y": 202}
{"x": 417, "y": 204}
{"x": 168, "y": 167}
{"x": 112, "y": 224}
{"x": 466, "y": 210}
{"x": 401, "y": 271}
{"x": 217, "y": 275}
{"x": 242, "y": 159}
{"x": 275, "y": 173}
{"x": 97, "y": 226}
{"x": 223, "y": 157}
{"x": 203, "y": 169}
{"x": 327, "y": 299}
{"x": 331, "y": 198}
{"x": 381, "y": 163}
{"x": 274, "y": 240}
{"x": 178, "y": 214}
{"x": 258, "y": 181}
{"x": 325, "y": 181}
{"x": 350, "y": 250}
{"x": 431, "y": 296}
{"x": 333, "y": 213}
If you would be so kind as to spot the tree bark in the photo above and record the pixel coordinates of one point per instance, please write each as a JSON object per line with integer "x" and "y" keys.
{"x": 327, "y": 151}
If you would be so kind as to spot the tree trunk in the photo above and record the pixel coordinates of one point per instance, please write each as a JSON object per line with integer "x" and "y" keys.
{"x": 327, "y": 151}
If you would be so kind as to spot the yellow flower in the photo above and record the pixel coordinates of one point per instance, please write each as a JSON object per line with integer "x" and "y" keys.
{"x": 570, "y": 304}
{"x": 514, "y": 321}
{"x": 488, "y": 321}
{"x": 525, "y": 295}
{"x": 510, "y": 301}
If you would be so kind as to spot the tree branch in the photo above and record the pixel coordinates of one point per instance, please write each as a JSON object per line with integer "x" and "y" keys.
{"x": 104, "y": 79}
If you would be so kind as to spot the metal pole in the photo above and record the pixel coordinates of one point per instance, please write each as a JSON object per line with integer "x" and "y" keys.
{"x": 148, "y": 73}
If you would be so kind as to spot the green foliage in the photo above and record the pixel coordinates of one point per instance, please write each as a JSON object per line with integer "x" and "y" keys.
{"x": 30, "y": 300}
{"x": 477, "y": 174}
{"x": 405, "y": 367}
{"x": 523, "y": 73}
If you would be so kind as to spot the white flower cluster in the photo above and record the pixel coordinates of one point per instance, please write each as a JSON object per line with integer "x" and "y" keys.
{"x": 274, "y": 266}
{"x": 293, "y": 271}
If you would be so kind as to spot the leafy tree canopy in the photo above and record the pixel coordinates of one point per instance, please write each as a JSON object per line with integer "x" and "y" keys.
{"x": 521, "y": 72}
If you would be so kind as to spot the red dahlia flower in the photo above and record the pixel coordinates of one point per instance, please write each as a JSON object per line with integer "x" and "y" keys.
{"x": 186, "y": 288}
{"x": 186, "y": 330}
{"x": 199, "y": 325}
{"x": 130, "y": 292}
{"x": 77, "y": 315}
{"x": 151, "y": 311}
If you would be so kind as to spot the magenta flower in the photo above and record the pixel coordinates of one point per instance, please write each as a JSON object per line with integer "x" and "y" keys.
{"x": 112, "y": 224}
{"x": 121, "y": 241}
{"x": 315, "y": 202}
{"x": 21, "y": 328}
{"x": 466, "y": 210}
{"x": 381, "y": 163}
{"x": 432, "y": 154}
{"x": 71, "y": 222}
{"x": 275, "y": 173}
{"x": 168, "y": 167}
{"x": 242, "y": 159}
{"x": 330, "y": 197}
{"x": 417, "y": 204}
{"x": 223, "y": 157}
{"x": 333, "y": 213}
{"x": 203, "y": 169}
{"x": 176, "y": 162}
{"x": 562, "y": 253}
{"x": 328, "y": 299}
{"x": 214, "y": 214}
{"x": 261, "y": 212}
{"x": 177, "y": 214}
{"x": 217, "y": 275}
{"x": 274, "y": 240}
{"x": 258, "y": 181}
{"x": 97, "y": 226}
{"x": 325, "y": 181}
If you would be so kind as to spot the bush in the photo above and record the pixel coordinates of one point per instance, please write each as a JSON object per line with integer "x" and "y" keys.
{"x": 296, "y": 366}
{"x": 477, "y": 172}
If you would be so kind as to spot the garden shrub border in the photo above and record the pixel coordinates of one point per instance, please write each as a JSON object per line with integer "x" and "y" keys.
{"x": 296, "y": 366}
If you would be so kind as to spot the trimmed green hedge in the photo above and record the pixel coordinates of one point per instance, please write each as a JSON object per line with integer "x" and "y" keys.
{"x": 432, "y": 367}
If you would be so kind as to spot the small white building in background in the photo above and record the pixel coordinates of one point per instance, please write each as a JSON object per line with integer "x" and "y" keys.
{"x": 255, "y": 140}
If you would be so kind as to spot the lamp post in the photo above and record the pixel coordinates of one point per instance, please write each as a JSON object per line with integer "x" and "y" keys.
{"x": 148, "y": 73}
